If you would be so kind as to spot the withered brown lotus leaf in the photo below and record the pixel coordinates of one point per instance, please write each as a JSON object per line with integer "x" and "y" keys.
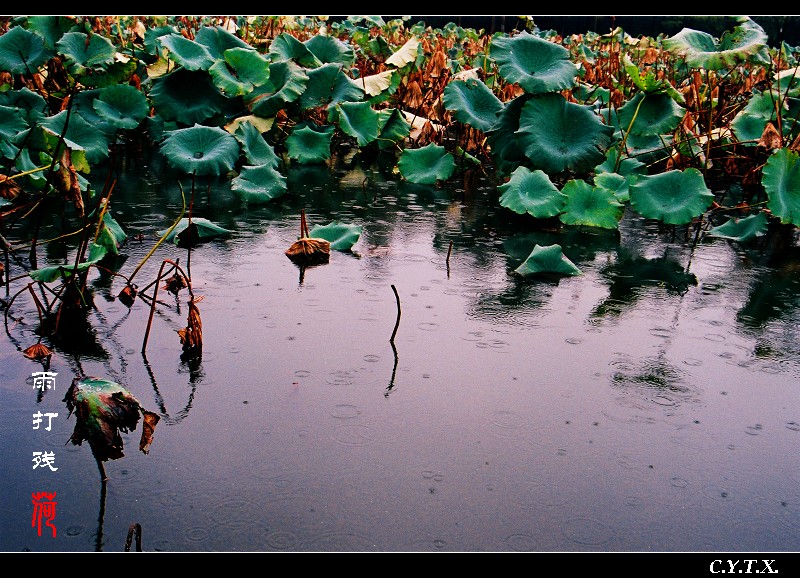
{"x": 149, "y": 421}
{"x": 37, "y": 351}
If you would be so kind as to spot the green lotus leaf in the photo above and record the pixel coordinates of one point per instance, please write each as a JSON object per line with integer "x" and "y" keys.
{"x": 218, "y": 41}
{"x": 286, "y": 47}
{"x": 781, "y": 181}
{"x": 627, "y": 166}
{"x": 590, "y": 206}
{"x": 505, "y": 147}
{"x": 789, "y": 81}
{"x": 202, "y": 150}
{"x": 83, "y": 103}
{"x": 86, "y": 52}
{"x": 647, "y": 82}
{"x": 51, "y": 28}
{"x": 649, "y": 148}
{"x": 531, "y": 192}
{"x": 357, "y": 119}
{"x": 250, "y": 66}
{"x": 123, "y": 106}
{"x": 749, "y": 123}
{"x": 306, "y": 145}
{"x": 393, "y": 127}
{"x": 426, "y": 165}
{"x": 111, "y": 234}
{"x": 616, "y": 184}
{"x": 103, "y": 409}
{"x": 406, "y": 54}
{"x": 226, "y": 81}
{"x": 187, "y": 97}
{"x": 188, "y": 53}
{"x": 655, "y": 114}
{"x": 330, "y": 50}
{"x": 472, "y": 103}
{"x": 200, "y": 229}
{"x": 701, "y": 50}
{"x": 12, "y": 122}
{"x": 549, "y": 259}
{"x": 287, "y": 81}
{"x": 341, "y": 236}
{"x": 152, "y": 39}
{"x": 742, "y": 230}
{"x": 674, "y": 197}
{"x": 22, "y": 51}
{"x": 259, "y": 184}
{"x": 256, "y": 150}
{"x": 57, "y": 272}
{"x": 537, "y": 65}
{"x": 558, "y": 135}
{"x": 30, "y": 106}
{"x": 79, "y": 136}
{"x": 328, "y": 85}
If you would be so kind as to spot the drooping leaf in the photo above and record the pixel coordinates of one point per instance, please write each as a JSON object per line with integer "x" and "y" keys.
{"x": 558, "y": 135}
{"x": 31, "y": 107}
{"x": 674, "y": 197}
{"x": 188, "y": 53}
{"x": 111, "y": 234}
{"x": 259, "y": 184}
{"x": 702, "y": 50}
{"x": 57, "y": 272}
{"x": 84, "y": 52}
{"x": 256, "y": 150}
{"x": 616, "y": 184}
{"x": 742, "y": 230}
{"x": 549, "y": 259}
{"x": 375, "y": 84}
{"x": 22, "y": 51}
{"x": 426, "y": 165}
{"x": 122, "y": 106}
{"x": 472, "y": 103}
{"x": 405, "y": 54}
{"x": 393, "y": 127}
{"x": 12, "y": 123}
{"x": 781, "y": 181}
{"x": 202, "y": 150}
{"x": 341, "y": 236}
{"x": 357, "y": 119}
{"x": 103, "y": 410}
{"x": 590, "y": 206}
{"x": 506, "y": 150}
{"x": 307, "y": 145}
{"x": 537, "y": 65}
{"x": 531, "y": 192}
{"x": 201, "y": 229}
{"x": 186, "y": 97}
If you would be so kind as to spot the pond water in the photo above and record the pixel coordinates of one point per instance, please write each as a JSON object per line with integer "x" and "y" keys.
{"x": 649, "y": 404}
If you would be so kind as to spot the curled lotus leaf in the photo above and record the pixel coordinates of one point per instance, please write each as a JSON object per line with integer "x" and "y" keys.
{"x": 188, "y": 53}
{"x": 186, "y": 97}
{"x": 359, "y": 120}
{"x": 341, "y": 236}
{"x": 405, "y": 54}
{"x": 307, "y": 145}
{"x": 330, "y": 50}
{"x": 590, "y": 206}
{"x": 743, "y": 230}
{"x": 122, "y": 106}
{"x": 287, "y": 47}
{"x": 393, "y": 126}
{"x": 84, "y": 51}
{"x": 190, "y": 232}
{"x": 650, "y": 114}
{"x": 328, "y": 85}
{"x": 79, "y": 135}
{"x": 255, "y": 148}
{"x": 218, "y": 41}
{"x": 259, "y": 184}
{"x": 702, "y": 50}
{"x": 202, "y": 150}
{"x": 287, "y": 81}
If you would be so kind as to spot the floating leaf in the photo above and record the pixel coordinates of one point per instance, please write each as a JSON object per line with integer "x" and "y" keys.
{"x": 341, "y": 236}
{"x": 674, "y": 197}
{"x": 57, "y": 272}
{"x": 259, "y": 184}
{"x": 549, "y": 259}
{"x": 426, "y": 165}
{"x": 741, "y": 230}
{"x": 531, "y": 192}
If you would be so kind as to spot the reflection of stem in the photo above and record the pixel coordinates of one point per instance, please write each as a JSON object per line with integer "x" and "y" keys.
{"x": 98, "y": 545}
{"x": 449, "y": 250}
{"x": 394, "y": 372}
{"x": 135, "y": 529}
{"x": 397, "y": 322}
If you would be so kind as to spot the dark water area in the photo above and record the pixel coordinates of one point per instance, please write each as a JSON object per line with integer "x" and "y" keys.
{"x": 649, "y": 404}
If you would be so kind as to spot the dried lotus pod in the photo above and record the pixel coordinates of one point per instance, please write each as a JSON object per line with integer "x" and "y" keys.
{"x": 308, "y": 250}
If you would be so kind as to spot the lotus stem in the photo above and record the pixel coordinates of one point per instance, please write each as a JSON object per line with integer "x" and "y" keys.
{"x": 397, "y": 322}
